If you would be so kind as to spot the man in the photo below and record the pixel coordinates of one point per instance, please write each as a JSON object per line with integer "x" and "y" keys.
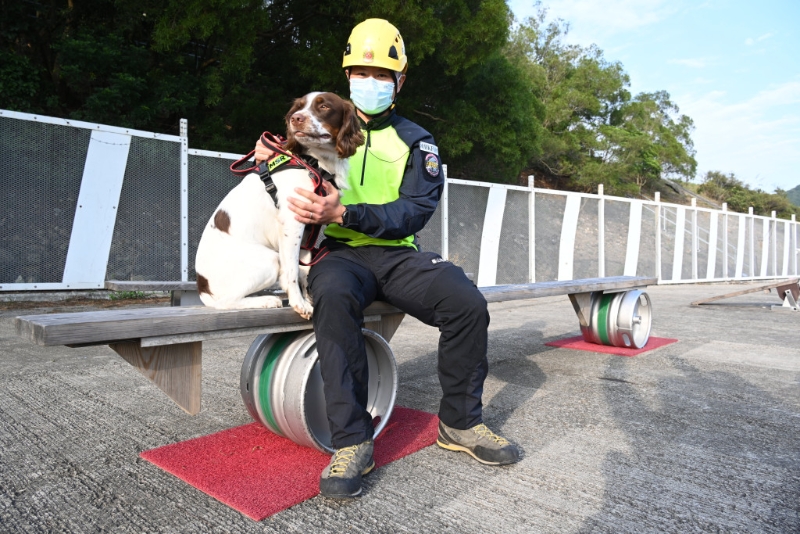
{"x": 395, "y": 183}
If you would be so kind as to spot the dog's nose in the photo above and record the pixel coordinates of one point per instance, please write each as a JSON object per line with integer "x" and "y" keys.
{"x": 298, "y": 118}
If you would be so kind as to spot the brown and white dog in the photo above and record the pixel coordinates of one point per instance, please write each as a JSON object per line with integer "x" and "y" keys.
{"x": 250, "y": 243}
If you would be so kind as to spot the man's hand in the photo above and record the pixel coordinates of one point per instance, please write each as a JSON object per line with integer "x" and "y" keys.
{"x": 262, "y": 152}
{"x": 316, "y": 209}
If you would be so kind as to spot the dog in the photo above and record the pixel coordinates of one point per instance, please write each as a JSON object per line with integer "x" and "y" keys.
{"x": 250, "y": 242}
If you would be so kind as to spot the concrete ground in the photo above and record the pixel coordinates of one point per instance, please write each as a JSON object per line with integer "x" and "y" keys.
{"x": 699, "y": 436}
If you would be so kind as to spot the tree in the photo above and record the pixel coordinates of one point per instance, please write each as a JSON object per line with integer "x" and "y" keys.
{"x": 727, "y": 188}
{"x": 233, "y": 67}
{"x": 594, "y": 131}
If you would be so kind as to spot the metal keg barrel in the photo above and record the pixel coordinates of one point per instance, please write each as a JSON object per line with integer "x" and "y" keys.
{"x": 619, "y": 319}
{"x": 281, "y": 386}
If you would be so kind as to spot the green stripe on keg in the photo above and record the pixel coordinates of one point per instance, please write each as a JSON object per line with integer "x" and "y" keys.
{"x": 602, "y": 318}
{"x": 266, "y": 378}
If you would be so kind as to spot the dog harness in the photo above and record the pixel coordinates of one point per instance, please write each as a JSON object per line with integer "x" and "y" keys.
{"x": 281, "y": 161}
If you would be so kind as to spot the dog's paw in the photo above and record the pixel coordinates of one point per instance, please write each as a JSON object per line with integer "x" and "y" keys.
{"x": 273, "y": 302}
{"x": 263, "y": 301}
{"x": 304, "y": 309}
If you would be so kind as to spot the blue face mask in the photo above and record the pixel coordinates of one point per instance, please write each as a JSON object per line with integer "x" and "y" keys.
{"x": 371, "y": 96}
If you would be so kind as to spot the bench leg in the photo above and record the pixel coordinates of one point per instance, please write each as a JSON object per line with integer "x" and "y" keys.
{"x": 582, "y": 304}
{"x": 386, "y": 326}
{"x": 175, "y": 369}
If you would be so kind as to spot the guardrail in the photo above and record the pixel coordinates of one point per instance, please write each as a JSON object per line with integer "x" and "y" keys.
{"x": 88, "y": 202}
{"x": 511, "y": 234}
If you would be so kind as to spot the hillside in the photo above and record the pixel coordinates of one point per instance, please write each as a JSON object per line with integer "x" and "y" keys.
{"x": 793, "y": 195}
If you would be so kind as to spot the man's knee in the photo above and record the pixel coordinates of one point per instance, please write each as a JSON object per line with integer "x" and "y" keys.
{"x": 331, "y": 288}
{"x": 453, "y": 294}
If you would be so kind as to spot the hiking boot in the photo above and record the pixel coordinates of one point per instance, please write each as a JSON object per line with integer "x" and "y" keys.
{"x": 480, "y": 443}
{"x": 342, "y": 478}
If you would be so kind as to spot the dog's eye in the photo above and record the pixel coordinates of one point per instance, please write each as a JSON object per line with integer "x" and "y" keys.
{"x": 324, "y": 106}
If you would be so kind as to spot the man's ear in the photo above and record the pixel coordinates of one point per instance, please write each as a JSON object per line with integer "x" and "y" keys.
{"x": 400, "y": 80}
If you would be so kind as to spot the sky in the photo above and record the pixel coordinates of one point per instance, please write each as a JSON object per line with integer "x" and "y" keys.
{"x": 733, "y": 66}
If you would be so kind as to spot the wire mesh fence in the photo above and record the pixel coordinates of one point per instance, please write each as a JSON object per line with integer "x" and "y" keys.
{"x": 512, "y": 234}
{"x": 146, "y": 243}
{"x": 41, "y": 167}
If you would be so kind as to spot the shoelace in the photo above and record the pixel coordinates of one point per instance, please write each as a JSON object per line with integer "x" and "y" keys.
{"x": 342, "y": 459}
{"x": 483, "y": 431}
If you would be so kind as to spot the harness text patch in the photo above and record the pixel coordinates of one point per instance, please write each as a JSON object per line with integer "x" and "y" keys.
{"x": 277, "y": 161}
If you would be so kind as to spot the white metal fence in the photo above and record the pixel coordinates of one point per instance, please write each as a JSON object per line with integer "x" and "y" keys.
{"x": 507, "y": 234}
{"x": 85, "y": 203}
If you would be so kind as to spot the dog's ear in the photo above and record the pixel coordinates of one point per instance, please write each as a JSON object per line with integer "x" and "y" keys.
{"x": 350, "y": 136}
{"x": 291, "y": 143}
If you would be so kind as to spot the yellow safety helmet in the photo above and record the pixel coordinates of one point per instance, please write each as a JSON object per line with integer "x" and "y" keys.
{"x": 376, "y": 43}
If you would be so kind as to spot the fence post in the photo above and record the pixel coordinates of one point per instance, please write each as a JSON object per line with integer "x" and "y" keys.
{"x": 752, "y": 258}
{"x": 741, "y": 245}
{"x": 184, "y": 135}
{"x": 601, "y": 233}
{"x": 445, "y": 226}
{"x": 531, "y": 231}
{"x": 694, "y": 238}
{"x": 725, "y": 240}
{"x": 787, "y": 243}
{"x": 657, "y": 199}
{"x": 794, "y": 242}
{"x": 773, "y": 238}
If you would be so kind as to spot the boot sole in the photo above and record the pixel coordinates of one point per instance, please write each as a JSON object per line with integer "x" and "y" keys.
{"x": 460, "y": 448}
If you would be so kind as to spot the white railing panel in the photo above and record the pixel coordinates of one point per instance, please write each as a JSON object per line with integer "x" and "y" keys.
{"x": 490, "y": 237}
{"x": 634, "y": 239}
{"x": 566, "y": 247}
{"x": 98, "y": 202}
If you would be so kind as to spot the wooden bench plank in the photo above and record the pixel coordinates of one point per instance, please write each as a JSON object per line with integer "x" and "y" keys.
{"x": 133, "y": 285}
{"x": 564, "y": 287}
{"x": 102, "y": 327}
{"x": 238, "y": 332}
{"x": 779, "y": 285}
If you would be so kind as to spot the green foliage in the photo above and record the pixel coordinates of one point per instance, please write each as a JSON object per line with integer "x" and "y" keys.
{"x": 233, "y": 67}
{"x": 793, "y": 195}
{"x": 727, "y": 188}
{"x": 502, "y": 99}
{"x": 18, "y": 82}
{"x": 595, "y": 132}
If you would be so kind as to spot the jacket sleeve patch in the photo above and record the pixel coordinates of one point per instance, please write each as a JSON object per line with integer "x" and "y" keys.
{"x": 427, "y": 147}
{"x": 432, "y": 164}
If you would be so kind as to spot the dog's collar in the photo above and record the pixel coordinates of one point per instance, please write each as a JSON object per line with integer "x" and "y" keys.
{"x": 282, "y": 159}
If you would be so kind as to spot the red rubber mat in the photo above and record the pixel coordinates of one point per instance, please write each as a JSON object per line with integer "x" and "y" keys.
{"x": 259, "y": 473}
{"x": 578, "y": 343}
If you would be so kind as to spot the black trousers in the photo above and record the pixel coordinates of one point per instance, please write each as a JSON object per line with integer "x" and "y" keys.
{"x": 421, "y": 284}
